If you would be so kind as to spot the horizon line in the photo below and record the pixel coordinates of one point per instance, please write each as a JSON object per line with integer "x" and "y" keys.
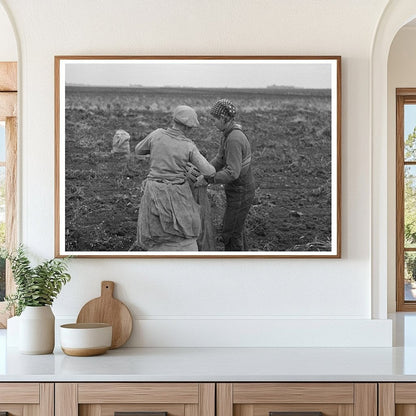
{"x": 138, "y": 86}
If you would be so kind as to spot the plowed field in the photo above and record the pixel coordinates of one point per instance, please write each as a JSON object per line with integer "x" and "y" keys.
{"x": 290, "y": 134}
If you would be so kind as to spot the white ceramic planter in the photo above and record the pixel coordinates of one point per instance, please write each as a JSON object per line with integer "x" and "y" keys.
{"x": 12, "y": 334}
{"x": 37, "y": 330}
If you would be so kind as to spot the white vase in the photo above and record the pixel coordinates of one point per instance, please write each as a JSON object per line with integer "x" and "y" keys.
{"x": 12, "y": 334}
{"x": 37, "y": 330}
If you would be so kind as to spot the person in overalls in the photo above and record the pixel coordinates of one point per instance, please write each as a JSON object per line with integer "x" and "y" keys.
{"x": 233, "y": 169}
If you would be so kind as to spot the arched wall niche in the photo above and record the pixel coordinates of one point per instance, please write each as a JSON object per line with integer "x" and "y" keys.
{"x": 396, "y": 14}
{"x": 9, "y": 46}
{"x": 401, "y": 74}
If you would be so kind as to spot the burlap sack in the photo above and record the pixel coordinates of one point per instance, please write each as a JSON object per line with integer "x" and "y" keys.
{"x": 121, "y": 143}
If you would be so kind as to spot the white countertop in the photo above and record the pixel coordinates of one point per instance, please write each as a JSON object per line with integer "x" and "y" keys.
{"x": 215, "y": 364}
{"x": 221, "y": 364}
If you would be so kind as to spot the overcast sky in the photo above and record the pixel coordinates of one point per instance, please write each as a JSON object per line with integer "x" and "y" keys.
{"x": 208, "y": 74}
{"x": 409, "y": 119}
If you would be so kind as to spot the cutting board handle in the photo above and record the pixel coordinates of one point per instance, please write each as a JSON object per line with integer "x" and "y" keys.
{"x": 107, "y": 289}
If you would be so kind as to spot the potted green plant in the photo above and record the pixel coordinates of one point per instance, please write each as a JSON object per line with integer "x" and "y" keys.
{"x": 36, "y": 289}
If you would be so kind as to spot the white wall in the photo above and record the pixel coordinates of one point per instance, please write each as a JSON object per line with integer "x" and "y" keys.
{"x": 401, "y": 74}
{"x": 8, "y": 46}
{"x": 203, "y": 302}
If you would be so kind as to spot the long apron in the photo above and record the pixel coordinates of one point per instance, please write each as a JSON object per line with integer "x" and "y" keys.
{"x": 168, "y": 214}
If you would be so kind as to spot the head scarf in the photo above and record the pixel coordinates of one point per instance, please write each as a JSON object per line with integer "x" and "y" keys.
{"x": 223, "y": 107}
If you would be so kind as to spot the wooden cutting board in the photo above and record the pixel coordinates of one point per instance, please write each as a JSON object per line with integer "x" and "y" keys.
{"x": 109, "y": 310}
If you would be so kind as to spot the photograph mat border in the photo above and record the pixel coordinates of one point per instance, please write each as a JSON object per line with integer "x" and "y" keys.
{"x": 60, "y": 72}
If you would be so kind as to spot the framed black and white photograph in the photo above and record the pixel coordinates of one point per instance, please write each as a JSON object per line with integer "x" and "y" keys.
{"x": 198, "y": 156}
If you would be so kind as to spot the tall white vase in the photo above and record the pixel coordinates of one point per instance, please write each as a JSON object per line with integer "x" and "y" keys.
{"x": 37, "y": 330}
{"x": 12, "y": 334}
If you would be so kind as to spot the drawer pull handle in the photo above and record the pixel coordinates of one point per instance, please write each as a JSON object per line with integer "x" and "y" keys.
{"x": 295, "y": 413}
{"x": 140, "y": 414}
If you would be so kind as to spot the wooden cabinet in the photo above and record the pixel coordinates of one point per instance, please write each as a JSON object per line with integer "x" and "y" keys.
{"x": 208, "y": 399}
{"x": 27, "y": 399}
{"x": 106, "y": 399}
{"x": 264, "y": 399}
{"x": 397, "y": 399}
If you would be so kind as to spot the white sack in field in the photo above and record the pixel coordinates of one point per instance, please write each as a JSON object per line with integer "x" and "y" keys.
{"x": 121, "y": 142}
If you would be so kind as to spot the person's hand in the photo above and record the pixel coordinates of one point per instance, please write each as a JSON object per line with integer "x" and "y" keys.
{"x": 192, "y": 172}
{"x": 210, "y": 179}
{"x": 200, "y": 182}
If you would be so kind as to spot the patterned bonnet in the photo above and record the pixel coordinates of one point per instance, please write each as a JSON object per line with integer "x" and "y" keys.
{"x": 223, "y": 107}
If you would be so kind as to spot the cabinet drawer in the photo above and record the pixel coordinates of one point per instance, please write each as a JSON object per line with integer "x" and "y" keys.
{"x": 148, "y": 399}
{"x": 138, "y": 393}
{"x": 397, "y": 399}
{"x": 293, "y": 399}
{"x": 21, "y": 399}
{"x": 19, "y": 393}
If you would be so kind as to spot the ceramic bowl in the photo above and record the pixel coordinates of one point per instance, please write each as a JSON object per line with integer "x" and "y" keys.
{"x": 84, "y": 340}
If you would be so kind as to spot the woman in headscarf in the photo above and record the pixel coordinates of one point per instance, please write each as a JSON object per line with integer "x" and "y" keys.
{"x": 233, "y": 169}
{"x": 169, "y": 218}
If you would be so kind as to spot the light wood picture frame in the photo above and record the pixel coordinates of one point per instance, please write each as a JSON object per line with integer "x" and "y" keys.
{"x": 8, "y": 119}
{"x": 289, "y": 108}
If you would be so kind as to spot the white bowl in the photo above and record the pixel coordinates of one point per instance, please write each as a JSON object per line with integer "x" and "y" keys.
{"x": 85, "y": 339}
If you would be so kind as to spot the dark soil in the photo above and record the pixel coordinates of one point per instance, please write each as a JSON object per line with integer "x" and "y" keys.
{"x": 290, "y": 134}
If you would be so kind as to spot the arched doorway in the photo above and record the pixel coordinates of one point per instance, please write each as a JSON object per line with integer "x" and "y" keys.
{"x": 401, "y": 97}
{"x": 395, "y": 16}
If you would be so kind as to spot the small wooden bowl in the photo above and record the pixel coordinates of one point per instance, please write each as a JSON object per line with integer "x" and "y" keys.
{"x": 84, "y": 340}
